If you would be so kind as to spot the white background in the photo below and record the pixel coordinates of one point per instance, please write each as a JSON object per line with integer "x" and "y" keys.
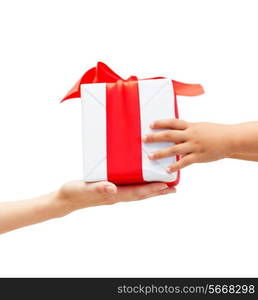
{"x": 209, "y": 228}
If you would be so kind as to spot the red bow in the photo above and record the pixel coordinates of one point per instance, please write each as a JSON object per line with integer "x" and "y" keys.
{"x": 102, "y": 73}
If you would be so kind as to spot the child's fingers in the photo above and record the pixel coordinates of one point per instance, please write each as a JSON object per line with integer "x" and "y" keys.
{"x": 170, "y": 123}
{"x": 182, "y": 163}
{"x": 179, "y": 149}
{"x": 175, "y": 136}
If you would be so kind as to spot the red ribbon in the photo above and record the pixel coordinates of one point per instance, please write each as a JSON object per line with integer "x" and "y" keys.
{"x": 124, "y": 151}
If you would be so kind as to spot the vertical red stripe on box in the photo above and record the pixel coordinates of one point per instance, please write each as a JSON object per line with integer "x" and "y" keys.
{"x": 124, "y": 145}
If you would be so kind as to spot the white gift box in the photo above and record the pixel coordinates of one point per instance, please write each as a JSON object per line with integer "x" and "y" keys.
{"x": 156, "y": 98}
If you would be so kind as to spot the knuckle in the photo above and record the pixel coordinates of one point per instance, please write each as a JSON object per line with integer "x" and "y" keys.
{"x": 167, "y": 135}
{"x": 99, "y": 189}
{"x": 173, "y": 122}
{"x": 191, "y": 131}
{"x": 181, "y": 163}
{"x": 200, "y": 148}
{"x": 171, "y": 151}
{"x": 187, "y": 161}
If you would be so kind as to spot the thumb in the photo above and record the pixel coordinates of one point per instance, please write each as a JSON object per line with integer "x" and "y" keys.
{"x": 103, "y": 187}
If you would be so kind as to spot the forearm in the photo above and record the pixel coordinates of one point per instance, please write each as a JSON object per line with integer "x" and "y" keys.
{"x": 18, "y": 214}
{"x": 70, "y": 197}
{"x": 203, "y": 142}
{"x": 244, "y": 141}
{"x": 245, "y": 138}
{"x": 245, "y": 156}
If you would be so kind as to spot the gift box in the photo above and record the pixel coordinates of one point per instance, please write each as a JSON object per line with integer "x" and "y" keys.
{"x": 116, "y": 114}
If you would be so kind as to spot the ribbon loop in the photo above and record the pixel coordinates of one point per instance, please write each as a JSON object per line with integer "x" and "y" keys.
{"x": 132, "y": 78}
{"x": 103, "y": 74}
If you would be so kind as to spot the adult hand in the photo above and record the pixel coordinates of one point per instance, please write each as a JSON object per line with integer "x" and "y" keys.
{"x": 72, "y": 196}
{"x": 78, "y": 194}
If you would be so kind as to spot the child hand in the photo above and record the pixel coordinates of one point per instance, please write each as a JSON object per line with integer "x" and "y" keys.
{"x": 194, "y": 142}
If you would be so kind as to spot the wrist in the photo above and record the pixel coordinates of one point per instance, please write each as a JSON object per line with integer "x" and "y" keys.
{"x": 233, "y": 140}
{"x": 56, "y": 206}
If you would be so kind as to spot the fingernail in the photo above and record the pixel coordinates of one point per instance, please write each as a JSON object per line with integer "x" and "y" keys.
{"x": 151, "y": 156}
{"x": 110, "y": 189}
{"x": 145, "y": 138}
{"x": 169, "y": 170}
{"x": 152, "y": 125}
{"x": 163, "y": 187}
